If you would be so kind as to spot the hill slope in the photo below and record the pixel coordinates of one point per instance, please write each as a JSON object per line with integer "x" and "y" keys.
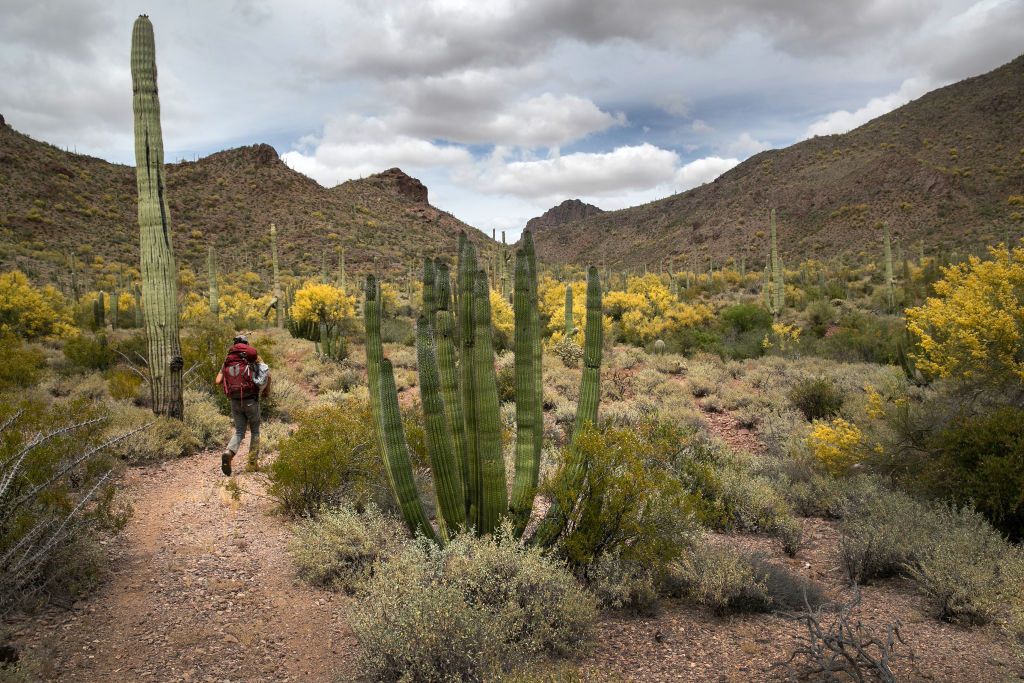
{"x": 53, "y": 202}
{"x": 940, "y": 170}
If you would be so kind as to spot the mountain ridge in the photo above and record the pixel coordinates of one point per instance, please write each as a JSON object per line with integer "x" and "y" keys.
{"x": 940, "y": 170}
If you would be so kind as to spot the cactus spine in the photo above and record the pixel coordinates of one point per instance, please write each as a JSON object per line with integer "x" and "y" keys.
{"x": 278, "y": 302}
{"x": 159, "y": 274}
{"x": 211, "y": 264}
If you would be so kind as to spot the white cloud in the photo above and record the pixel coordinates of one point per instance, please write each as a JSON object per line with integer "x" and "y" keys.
{"x": 842, "y": 121}
{"x": 701, "y": 171}
{"x": 700, "y": 126}
{"x": 354, "y": 147}
{"x": 582, "y": 174}
{"x": 546, "y": 120}
{"x": 746, "y": 145}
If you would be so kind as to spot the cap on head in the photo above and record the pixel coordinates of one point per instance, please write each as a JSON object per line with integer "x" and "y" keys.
{"x": 241, "y": 339}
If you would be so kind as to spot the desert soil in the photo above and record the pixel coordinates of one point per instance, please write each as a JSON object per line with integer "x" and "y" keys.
{"x": 202, "y": 589}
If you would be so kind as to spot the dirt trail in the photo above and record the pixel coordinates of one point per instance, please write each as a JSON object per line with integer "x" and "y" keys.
{"x": 203, "y": 590}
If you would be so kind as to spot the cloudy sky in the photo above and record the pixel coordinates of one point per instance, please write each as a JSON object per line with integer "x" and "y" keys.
{"x": 502, "y": 108}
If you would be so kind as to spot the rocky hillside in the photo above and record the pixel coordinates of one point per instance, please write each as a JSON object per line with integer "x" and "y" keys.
{"x": 568, "y": 211}
{"x": 53, "y": 203}
{"x": 946, "y": 170}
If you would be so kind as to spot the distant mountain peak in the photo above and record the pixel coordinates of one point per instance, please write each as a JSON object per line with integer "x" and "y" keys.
{"x": 568, "y": 211}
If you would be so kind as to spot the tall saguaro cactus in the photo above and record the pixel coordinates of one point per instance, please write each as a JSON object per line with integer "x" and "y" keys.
{"x": 890, "y": 292}
{"x": 279, "y": 307}
{"x": 778, "y": 277}
{"x": 159, "y": 274}
{"x": 570, "y": 328}
{"x": 211, "y": 264}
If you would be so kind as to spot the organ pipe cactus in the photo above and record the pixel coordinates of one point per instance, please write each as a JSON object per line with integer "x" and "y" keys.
{"x": 460, "y": 398}
{"x": 159, "y": 274}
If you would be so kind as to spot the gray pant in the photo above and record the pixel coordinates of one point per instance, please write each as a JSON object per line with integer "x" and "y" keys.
{"x": 245, "y": 412}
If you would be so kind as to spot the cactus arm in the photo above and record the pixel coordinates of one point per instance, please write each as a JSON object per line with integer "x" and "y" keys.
{"x": 446, "y": 469}
{"x": 388, "y": 419}
{"x": 590, "y": 384}
{"x": 467, "y": 276}
{"x": 538, "y": 369}
{"x": 493, "y": 501}
{"x": 528, "y": 397}
{"x": 444, "y": 331}
{"x": 211, "y": 264}
{"x": 429, "y": 299}
{"x": 890, "y": 294}
{"x": 396, "y": 456}
{"x": 159, "y": 274}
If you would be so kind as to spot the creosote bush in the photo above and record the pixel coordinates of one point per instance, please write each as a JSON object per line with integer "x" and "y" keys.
{"x": 817, "y": 399}
{"x": 469, "y": 611}
{"x": 340, "y": 548}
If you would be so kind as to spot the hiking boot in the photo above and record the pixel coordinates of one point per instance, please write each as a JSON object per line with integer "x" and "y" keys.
{"x": 225, "y": 462}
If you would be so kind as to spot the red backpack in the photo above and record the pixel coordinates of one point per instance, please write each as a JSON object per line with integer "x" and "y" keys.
{"x": 237, "y": 372}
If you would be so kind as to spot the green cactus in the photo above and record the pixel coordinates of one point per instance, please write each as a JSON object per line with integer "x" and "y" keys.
{"x": 659, "y": 347}
{"x": 115, "y": 299}
{"x": 570, "y": 328}
{"x": 778, "y": 276}
{"x": 99, "y": 308}
{"x": 279, "y": 307}
{"x": 890, "y": 292}
{"x": 211, "y": 265}
{"x": 461, "y": 411}
{"x": 159, "y": 274}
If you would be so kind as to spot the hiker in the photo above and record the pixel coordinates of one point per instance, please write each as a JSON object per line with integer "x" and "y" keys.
{"x": 244, "y": 378}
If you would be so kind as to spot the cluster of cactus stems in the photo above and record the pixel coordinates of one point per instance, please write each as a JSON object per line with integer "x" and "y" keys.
{"x": 211, "y": 266}
{"x": 159, "y": 274}
{"x": 99, "y": 320}
{"x": 278, "y": 303}
{"x": 458, "y": 388}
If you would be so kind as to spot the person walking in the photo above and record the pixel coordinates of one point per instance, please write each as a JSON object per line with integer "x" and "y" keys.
{"x": 244, "y": 378}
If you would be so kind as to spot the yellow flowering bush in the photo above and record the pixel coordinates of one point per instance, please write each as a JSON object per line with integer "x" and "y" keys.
{"x": 974, "y": 327}
{"x": 501, "y": 320}
{"x": 783, "y": 337}
{"x": 321, "y": 303}
{"x": 875, "y": 406}
{"x": 31, "y": 312}
{"x": 836, "y": 444}
{"x": 647, "y": 310}
{"x": 551, "y": 302}
{"x": 389, "y": 296}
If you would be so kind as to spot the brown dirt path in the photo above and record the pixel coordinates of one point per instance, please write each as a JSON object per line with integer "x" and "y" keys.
{"x": 202, "y": 590}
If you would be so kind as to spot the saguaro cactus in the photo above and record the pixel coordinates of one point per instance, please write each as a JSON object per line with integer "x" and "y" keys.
{"x": 461, "y": 413}
{"x": 211, "y": 264}
{"x": 570, "y": 328}
{"x": 778, "y": 277}
{"x": 279, "y": 303}
{"x": 890, "y": 292}
{"x": 159, "y": 274}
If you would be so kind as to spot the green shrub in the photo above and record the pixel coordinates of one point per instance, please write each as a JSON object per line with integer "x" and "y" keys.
{"x": 740, "y": 318}
{"x": 22, "y": 365}
{"x": 630, "y": 501}
{"x": 619, "y": 584}
{"x": 58, "y": 500}
{"x": 208, "y": 425}
{"x": 863, "y": 337}
{"x": 397, "y": 331}
{"x": 817, "y": 399}
{"x": 880, "y": 538}
{"x": 340, "y": 548}
{"x": 123, "y": 383}
{"x": 469, "y": 611}
{"x": 89, "y": 352}
{"x": 163, "y": 439}
{"x": 963, "y": 569}
{"x": 724, "y": 580}
{"x": 980, "y": 461}
{"x": 568, "y": 351}
{"x": 331, "y": 456}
